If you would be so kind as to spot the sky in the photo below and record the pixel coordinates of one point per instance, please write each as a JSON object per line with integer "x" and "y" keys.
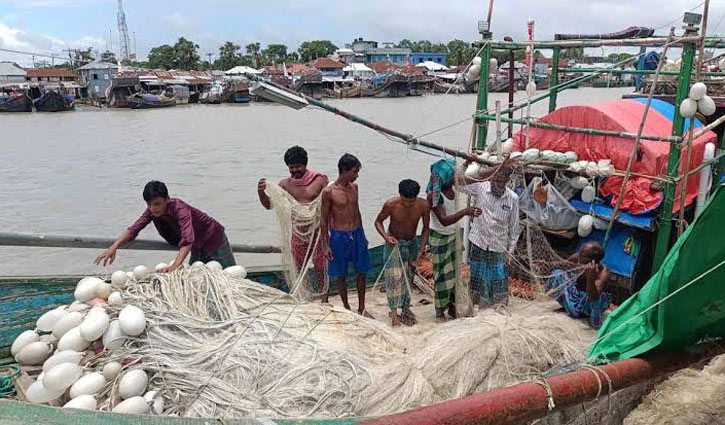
{"x": 50, "y": 26}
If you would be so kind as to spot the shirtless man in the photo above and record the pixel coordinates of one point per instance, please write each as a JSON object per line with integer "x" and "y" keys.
{"x": 305, "y": 185}
{"x": 405, "y": 212}
{"x": 347, "y": 242}
{"x": 584, "y": 295}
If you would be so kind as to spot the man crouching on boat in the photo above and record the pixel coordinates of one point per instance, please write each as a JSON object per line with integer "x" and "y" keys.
{"x": 305, "y": 185}
{"x": 180, "y": 224}
{"x": 347, "y": 241}
{"x": 405, "y": 212}
{"x": 583, "y": 296}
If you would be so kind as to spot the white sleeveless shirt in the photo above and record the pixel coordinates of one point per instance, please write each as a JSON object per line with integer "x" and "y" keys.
{"x": 449, "y": 206}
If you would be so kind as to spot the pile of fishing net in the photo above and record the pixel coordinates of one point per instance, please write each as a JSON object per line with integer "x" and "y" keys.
{"x": 219, "y": 346}
{"x": 690, "y": 396}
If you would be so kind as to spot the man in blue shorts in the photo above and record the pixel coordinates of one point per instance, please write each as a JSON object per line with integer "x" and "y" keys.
{"x": 347, "y": 243}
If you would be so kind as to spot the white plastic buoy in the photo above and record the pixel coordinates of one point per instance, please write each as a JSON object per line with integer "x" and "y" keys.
{"x": 86, "y": 289}
{"x": 588, "y": 194}
{"x": 133, "y": 383}
{"x": 236, "y": 271}
{"x": 472, "y": 170}
{"x": 134, "y": 406}
{"x": 531, "y": 89}
{"x": 103, "y": 290}
{"x": 214, "y": 265}
{"x": 113, "y": 337}
{"x": 22, "y": 340}
{"x": 94, "y": 325}
{"x": 37, "y": 393}
{"x": 160, "y": 266}
{"x": 584, "y": 228}
{"x": 118, "y": 279}
{"x": 507, "y": 146}
{"x": 155, "y": 400}
{"x": 698, "y": 91}
{"x": 61, "y": 377}
{"x": 48, "y": 339}
{"x": 78, "y": 306}
{"x": 66, "y": 323}
{"x": 82, "y": 402}
{"x": 688, "y": 108}
{"x": 111, "y": 370}
{"x": 130, "y": 276}
{"x": 531, "y": 154}
{"x": 570, "y": 156}
{"x": 34, "y": 353}
{"x": 46, "y": 322}
{"x": 706, "y": 106}
{"x": 88, "y": 385}
{"x": 140, "y": 272}
{"x": 132, "y": 320}
{"x": 578, "y": 182}
{"x": 197, "y": 264}
{"x": 115, "y": 299}
{"x": 705, "y": 179}
{"x": 67, "y": 356}
{"x": 72, "y": 340}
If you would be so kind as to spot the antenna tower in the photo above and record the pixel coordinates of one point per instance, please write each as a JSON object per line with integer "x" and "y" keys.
{"x": 125, "y": 42}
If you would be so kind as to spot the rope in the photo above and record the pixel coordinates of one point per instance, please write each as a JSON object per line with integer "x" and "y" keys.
{"x": 7, "y": 386}
{"x": 549, "y": 394}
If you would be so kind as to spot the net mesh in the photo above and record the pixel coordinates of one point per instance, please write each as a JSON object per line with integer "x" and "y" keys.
{"x": 300, "y": 240}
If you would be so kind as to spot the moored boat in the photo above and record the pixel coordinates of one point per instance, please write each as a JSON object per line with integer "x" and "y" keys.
{"x": 52, "y": 101}
{"x": 150, "y": 101}
{"x": 21, "y": 103}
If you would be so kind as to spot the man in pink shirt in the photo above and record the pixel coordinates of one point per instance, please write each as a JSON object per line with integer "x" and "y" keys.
{"x": 181, "y": 225}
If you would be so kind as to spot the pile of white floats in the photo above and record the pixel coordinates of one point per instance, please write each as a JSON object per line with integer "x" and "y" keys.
{"x": 67, "y": 342}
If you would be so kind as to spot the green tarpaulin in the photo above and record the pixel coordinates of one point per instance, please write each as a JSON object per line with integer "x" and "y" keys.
{"x": 688, "y": 316}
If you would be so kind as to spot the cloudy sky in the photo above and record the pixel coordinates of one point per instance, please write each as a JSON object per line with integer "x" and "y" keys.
{"x": 50, "y": 26}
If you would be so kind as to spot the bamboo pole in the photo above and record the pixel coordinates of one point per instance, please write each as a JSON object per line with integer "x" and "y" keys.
{"x": 594, "y": 131}
{"x": 704, "y": 164}
{"x": 714, "y": 42}
{"x": 705, "y": 14}
{"x": 709, "y": 127}
{"x": 93, "y": 242}
{"x": 637, "y": 72}
{"x": 635, "y": 147}
{"x": 683, "y": 186}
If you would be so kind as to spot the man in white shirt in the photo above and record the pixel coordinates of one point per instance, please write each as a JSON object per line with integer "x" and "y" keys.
{"x": 493, "y": 236}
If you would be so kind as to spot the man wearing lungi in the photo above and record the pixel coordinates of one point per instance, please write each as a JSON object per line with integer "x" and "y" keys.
{"x": 493, "y": 236}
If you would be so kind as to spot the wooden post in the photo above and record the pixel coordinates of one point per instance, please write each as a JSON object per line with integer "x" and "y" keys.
{"x": 554, "y": 80}
{"x": 482, "y": 103}
{"x": 512, "y": 61}
{"x": 662, "y": 244}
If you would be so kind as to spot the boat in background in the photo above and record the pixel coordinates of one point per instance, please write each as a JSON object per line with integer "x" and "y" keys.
{"x": 151, "y": 101}
{"x": 52, "y": 101}
{"x": 17, "y": 102}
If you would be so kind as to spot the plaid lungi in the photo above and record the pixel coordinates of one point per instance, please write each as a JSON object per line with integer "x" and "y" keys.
{"x": 488, "y": 276}
{"x": 576, "y": 302}
{"x": 398, "y": 270}
{"x": 224, "y": 254}
{"x": 443, "y": 255}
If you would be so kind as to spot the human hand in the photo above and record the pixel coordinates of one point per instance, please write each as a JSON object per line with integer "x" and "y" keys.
{"x": 169, "y": 269}
{"x": 472, "y": 212}
{"x": 262, "y": 185}
{"x": 106, "y": 257}
{"x": 391, "y": 240}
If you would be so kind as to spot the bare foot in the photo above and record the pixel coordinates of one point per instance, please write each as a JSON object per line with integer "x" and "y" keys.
{"x": 394, "y": 319}
{"x": 364, "y": 313}
{"x": 408, "y": 318}
{"x": 452, "y": 311}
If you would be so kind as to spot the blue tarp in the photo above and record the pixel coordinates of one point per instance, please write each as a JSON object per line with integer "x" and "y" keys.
{"x": 644, "y": 221}
{"x": 615, "y": 257}
{"x": 666, "y": 109}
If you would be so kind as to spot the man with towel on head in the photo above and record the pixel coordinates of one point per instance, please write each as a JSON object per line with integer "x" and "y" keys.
{"x": 305, "y": 185}
{"x": 493, "y": 234}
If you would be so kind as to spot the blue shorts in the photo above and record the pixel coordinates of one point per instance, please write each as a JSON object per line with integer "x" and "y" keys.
{"x": 348, "y": 246}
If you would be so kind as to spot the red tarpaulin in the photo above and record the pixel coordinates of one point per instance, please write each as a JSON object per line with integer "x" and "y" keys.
{"x": 620, "y": 116}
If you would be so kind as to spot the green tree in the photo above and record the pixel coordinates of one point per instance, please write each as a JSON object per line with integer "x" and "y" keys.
{"x": 575, "y": 53}
{"x": 405, "y": 44}
{"x": 229, "y": 56}
{"x": 253, "y": 50}
{"x": 108, "y": 56}
{"x": 275, "y": 53}
{"x": 186, "y": 55}
{"x": 460, "y": 52}
{"x": 311, "y": 50}
{"x": 162, "y": 57}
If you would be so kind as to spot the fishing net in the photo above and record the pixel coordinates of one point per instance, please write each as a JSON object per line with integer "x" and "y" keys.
{"x": 222, "y": 347}
{"x": 690, "y": 396}
{"x": 302, "y": 256}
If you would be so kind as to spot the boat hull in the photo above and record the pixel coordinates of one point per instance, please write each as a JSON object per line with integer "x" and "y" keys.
{"x": 53, "y": 101}
{"x": 18, "y": 104}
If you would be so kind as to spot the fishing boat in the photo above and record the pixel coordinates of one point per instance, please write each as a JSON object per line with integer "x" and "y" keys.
{"x": 672, "y": 322}
{"x": 18, "y": 103}
{"x": 150, "y": 101}
{"x": 53, "y": 101}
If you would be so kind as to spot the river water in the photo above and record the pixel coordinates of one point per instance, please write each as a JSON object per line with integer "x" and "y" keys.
{"x": 83, "y": 172}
